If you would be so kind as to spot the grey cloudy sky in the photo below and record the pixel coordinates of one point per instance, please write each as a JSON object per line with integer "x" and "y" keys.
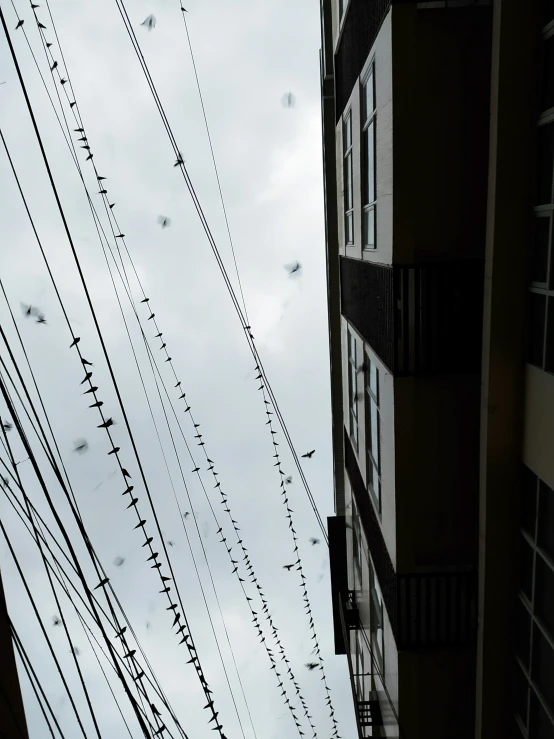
{"x": 248, "y": 54}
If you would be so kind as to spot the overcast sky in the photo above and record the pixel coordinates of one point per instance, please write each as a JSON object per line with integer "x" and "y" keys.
{"x": 248, "y": 53}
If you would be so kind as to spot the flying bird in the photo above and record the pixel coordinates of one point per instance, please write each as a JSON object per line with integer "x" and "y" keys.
{"x": 80, "y": 446}
{"x": 288, "y": 567}
{"x": 41, "y": 318}
{"x": 293, "y": 268}
{"x": 29, "y": 310}
{"x": 288, "y": 100}
{"x": 309, "y": 455}
{"x": 288, "y": 480}
{"x": 149, "y": 22}
{"x": 164, "y": 221}
{"x": 7, "y": 426}
{"x": 186, "y": 514}
{"x": 311, "y": 665}
{"x": 56, "y": 621}
{"x": 314, "y": 541}
{"x": 118, "y": 561}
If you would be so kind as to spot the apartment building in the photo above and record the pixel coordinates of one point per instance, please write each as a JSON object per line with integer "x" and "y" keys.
{"x": 438, "y": 147}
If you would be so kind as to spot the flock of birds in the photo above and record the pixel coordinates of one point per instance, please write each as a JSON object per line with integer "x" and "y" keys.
{"x": 81, "y": 446}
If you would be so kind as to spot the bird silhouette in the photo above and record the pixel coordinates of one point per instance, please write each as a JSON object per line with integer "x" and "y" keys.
{"x": 124, "y": 472}
{"x": 29, "y": 310}
{"x": 107, "y": 423}
{"x": 149, "y": 22}
{"x": 7, "y": 426}
{"x": 311, "y": 665}
{"x": 293, "y": 268}
{"x": 288, "y": 567}
{"x": 19, "y": 24}
{"x": 314, "y": 541}
{"x": 186, "y": 514}
{"x": 118, "y": 561}
{"x": 85, "y": 361}
{"x": 56, "y": 620}
{"x": 164, "y": 221}
{"x": 180, "y": 160}
{"x": 41, "y": 318}
{"x": 75, "y": 341}
{"x": 288, "y": 480}
{"x": 80, "y": 446}
{"x": 309, "y": 455}
{"x": 87, "y": 377}
{"x": 92, "y": 389}
{"x": 288, "y": 100}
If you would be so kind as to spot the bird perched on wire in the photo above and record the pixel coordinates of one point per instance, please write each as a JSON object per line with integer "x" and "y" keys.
{"x": 164, "y": 221}
{"x": 294, "y": 268}
{"x": 80, "y": 446}
{"x": 311, "y": 665}
{"x": 149, "y": 22}
{"x": 308, "y": 455}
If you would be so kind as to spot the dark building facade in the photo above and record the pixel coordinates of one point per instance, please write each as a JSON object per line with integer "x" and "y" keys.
{"x": 438, "y": 172}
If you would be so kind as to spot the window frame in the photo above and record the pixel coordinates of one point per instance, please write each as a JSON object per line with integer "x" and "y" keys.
{"x": 348, "y": 177}
{"x": 376, "y": 609}
{"x": 368, "y": 119}
{"x": 353, "y": 416}
{"x": 372, "y": 400}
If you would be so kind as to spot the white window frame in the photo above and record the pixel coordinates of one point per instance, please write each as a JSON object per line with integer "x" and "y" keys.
{"x": 353, "y": 390}
{"x": 372, "y": 401}
{"x": 368, "y": 119}
{"x": 348, "y": 178}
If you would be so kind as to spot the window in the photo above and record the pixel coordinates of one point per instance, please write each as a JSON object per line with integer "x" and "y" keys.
{"x": 348, "y": 181}
{"x": 376, "y": 619}
{"x": 353, "y": 389}
{"x": 373, "y": 431}
{"x": 545, "y": 534}
{"x": 357, "y": 541}
{"x": 368, "y": 160}
{"x": 360, "y": 666}
{"x": 534, "y": 613}
{"x": 341, "y": 9}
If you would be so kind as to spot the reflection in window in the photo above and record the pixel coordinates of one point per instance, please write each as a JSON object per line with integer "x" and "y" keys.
{"x": 353, "y": 389}
{"x": 373, "y": 431}
{"x": 368, "y": 160}
{"x": 348, "y": 181}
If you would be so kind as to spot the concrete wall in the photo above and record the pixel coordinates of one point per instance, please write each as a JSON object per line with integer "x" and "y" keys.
{"x": 440, "y": 75}
{"x": 436, "y": 428}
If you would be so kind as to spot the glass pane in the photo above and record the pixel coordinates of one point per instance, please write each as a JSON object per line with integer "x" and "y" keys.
{"x": 545, "y": 533}
{"x": 522, "y": 632}
{"x": 549, "y": 358}
{"x": 368, "y": 97}
{"x": 370, "y": 162}
{"x": 537, "y": 307}
{"x": 544, "y": 164}
{"x": 374, "y": 432}
{"x": 526, "y": 569}
{"x": 529, "y": 501}
{"x": 521, "y": 692}
{"x": 373, "y": 379}
{"x": 540, "y": 250}
{"x": 548, "y": 75}
{"x": 369, "y": 228}
{"x": 348, "y": 182}
{"x": 540, "y": 726}
{"x": 347, "y": 133}
{"x": 543, "y": 666}
{"x": 349, "y": 228}
{"x": 544, "y": 593}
